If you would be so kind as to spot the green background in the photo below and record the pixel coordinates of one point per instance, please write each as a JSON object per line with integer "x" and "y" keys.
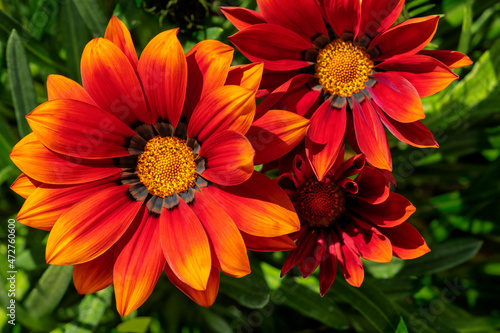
{"x": 456, "y": 189}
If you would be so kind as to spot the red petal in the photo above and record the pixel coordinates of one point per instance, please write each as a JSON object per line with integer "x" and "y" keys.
{"x": 79, "y": 129}
{"x": 48, "y": 202}
{"x": 163, "y": 72}
{"x": 278, "y": 48}
{"x": 138, "y": 266}
{"x": 24, "y": 185}
{"x": 452, "y": 59}
{"x": 344, "y": 15}
{"x": 306, "y": 240}
{"x": 94, "y": 275}
{"x": 111, "y": 81}
{"x": 275, "y": 134}
{"x": 107, "y": 214}
{"x": 258, "y": 206}
{"x": 350, "y": 263}
{"x": 118, "y": 33}
{"x": 408, "y": 37}
{"x": 272, "y": 80}
{"x": 300, "y": 16}
{"x": 226, "y": 108}
{"x": 60, "y": 87}
{"x": 407, "y": 243}
{"x": 377, "y": 16}
{"x": 373, "y": 187}
{"x": 350, "y": 167}
{"x": 246, "y": 76}
{"x": 328, "y": 268}
{"x": 390, "y": 213}
{"x": 46, "y": 166}
{"x": 415, "y": 134}
{"x": 208, "y": 67}
{"x": 204, "y": 298}
{"x": 370, "y": 135}
{"x": 224, "y": 236}
{"x": 268, "y": 244}
{"x": 185, "y": 245}
{"x": 397, "y": 97}
{"x": 371, "y": 244}
{"x": 426, "y": 74}
{"x": 242, "y": 17}
{"x": 325, "y": 138}
{"x": 314, "y": 256}
{"x": 229, "y": 158}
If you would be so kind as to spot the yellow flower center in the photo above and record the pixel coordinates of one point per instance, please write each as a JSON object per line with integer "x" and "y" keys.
{"x": 167, "y": 166}
{"x": 321, "y": 204}
{"x": 343, "y": 68}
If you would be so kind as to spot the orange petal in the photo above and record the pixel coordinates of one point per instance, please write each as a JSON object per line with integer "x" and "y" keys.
{"x": 229, "y": 158}
{"x": 204, "y": 298}
{"x": 208, "y": 67}
{"x": 258, "y": 206}
{"x": 138, "y": 266}
{"x": 224, "y": 235}
{"x": 371, "y": 244}
{"x": 247, "y": 76}
{"x": 91, "y": 227}
{"x": 94, "y": 275}
{"x": 42, "y": 209}
{"x": 118, "y": 33}
{"x": 42, "y": 164}
{"x": 185, "y": 245}
{"x": 111, "y": 81}
{"x": 226, "y": 108}
{"x": 79, "y": 129}
{"x": 275, "y": 134}
{"x": 350, "y": 263}
{"x": 163, "y": 72}
{"x": 24, "y": 185}
{"x": 407, "y": 243}
{"x": 60, "y": 87}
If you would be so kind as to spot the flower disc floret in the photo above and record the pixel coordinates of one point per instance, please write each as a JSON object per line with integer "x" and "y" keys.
{"x": 167, "y": 166}
{"x": 343, "y": 68}
{"x": 321, "y": 203}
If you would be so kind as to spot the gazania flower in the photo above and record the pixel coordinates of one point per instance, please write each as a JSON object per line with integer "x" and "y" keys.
{"x": 339, "y": 63}
{"x": 146, "y": 168}
{"x": 344, "y": 219}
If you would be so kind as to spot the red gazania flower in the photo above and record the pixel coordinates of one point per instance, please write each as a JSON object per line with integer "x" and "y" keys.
{"x": 339, "y": 63}
{"x": 344, "y": 220}
{"x": 146, "y": 168}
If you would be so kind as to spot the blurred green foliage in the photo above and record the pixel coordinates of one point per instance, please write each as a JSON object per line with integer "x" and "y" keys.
{"x": 455, "y": 188}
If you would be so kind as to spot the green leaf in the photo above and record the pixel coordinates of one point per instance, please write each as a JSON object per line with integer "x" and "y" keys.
{"x": 216, "y": 322}
{"x": 135, "y": 325}
{"x": 309, "y": 303}
{"x": 90, "y": 311}
{"x": 23, "y": 91}
{"x": 93, "y": 16}
{"x": 49, "y": 290}
{"x": 442, "y": 257}
{"x": 370, "y": 302}
{"x": 401, "y": 327}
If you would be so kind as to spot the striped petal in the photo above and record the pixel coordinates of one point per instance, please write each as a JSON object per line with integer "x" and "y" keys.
{"x": 246, "y": 76}
{"x": 344, "y": 15}
{"x": 118, "y": 33}
{"x": 377, "y": 16}
{"x": 60, "y": 87}
{"x": 24, "y": 185}
{"x": 94, "y": 275}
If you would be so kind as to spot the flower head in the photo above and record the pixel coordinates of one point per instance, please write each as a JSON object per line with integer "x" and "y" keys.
{"x": 345, "y": 218}
{"x": 341, "y": 64}
{"x": 146, "y": 168}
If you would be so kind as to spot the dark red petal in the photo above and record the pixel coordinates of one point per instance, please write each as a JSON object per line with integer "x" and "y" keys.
{"x": 350, "y": 263}
{"x": 415, "y": 134}
{"x": 276, "y": 134}
{"x": 408, "y": 37}
{"x": 371, "y": 244}
{"x": 397, "y": 97}
{"x": 350, "y": 167}
{"x": 94, "y": 275}
{"x": 377, "y": 15}
{"x": 426, "y": 74}
{"x": 407, "y": 243}
{"x": 314, "y": 256}
{"x": 328, "y": 268}
{"x": 344, "y": 15}
{"x": 301, "y": 16}
{"x": 390, "y": 213}
{"x": 452, "y": 59}
{"x": 242, "y": 17}
{"x": 268, "y": 244}
{"x": 306, "y": 240}
{"x": 325, "y": 137}
{"x": 278, "y": 48}
{"x": 373, "y": 187}
{"x": 302, "y": 170}
{"x": 370, "y": 135}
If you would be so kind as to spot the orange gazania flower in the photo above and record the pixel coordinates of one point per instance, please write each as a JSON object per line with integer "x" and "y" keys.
{"x": 339, "y": 63}
{"x": 345, "y": 218}
{"x": 147, "y": 168}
